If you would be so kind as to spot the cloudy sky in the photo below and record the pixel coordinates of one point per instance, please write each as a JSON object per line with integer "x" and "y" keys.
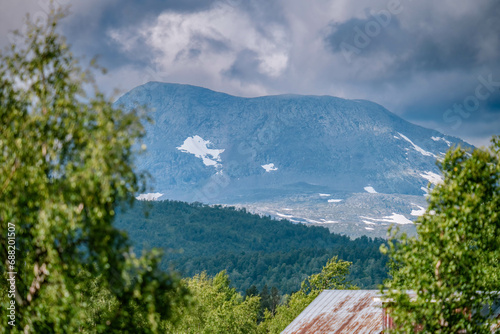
{"x": 435, "y": 63}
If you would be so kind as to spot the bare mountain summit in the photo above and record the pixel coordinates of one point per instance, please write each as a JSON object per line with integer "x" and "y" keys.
{"x": 350, "y": 165}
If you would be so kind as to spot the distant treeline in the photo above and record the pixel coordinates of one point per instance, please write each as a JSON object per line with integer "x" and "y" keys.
{"x": 254, "y": 250}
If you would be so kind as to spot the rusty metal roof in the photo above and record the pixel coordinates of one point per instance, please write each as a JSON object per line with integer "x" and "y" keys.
{"x": 340, "y": 311}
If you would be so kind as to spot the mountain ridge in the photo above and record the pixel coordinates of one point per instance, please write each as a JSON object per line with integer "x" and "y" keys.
{"x": 217, "y": 148}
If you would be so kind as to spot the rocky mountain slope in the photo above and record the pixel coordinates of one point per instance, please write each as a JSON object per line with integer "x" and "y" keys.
{"x": 348, "y": 164}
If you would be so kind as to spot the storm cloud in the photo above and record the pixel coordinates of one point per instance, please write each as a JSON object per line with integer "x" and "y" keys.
{"x": 423, "y": 60}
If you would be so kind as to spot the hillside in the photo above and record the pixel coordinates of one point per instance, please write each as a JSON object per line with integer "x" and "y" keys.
{"x": 254, "y": 250}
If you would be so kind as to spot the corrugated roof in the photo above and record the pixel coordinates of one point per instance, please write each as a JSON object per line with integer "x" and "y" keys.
{"x": 340, "y": 311}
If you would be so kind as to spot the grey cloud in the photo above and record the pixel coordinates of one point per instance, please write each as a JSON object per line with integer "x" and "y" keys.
{"x": 245, "y": 68}
{"x": 89, "y": 28}
{"x": 353, "y": 33}
{"x": 432, "y": 57}
{"x": 264, "y": 11}
{"x": 427, "y": 58}
{"x": 434, "y": 43}
{"x": 200, "y": 43}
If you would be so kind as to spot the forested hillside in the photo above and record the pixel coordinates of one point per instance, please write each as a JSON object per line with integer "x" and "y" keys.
{"x": 254, "y": 250}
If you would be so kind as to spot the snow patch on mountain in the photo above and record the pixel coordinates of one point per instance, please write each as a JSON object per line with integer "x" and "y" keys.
{"x": 324, "y": 221}
{"x": 370, "y": 190}
{"x": 269, "y": 167}
{"x": 432, "y": 177}
{"x": 199, "y": 147}
{"x": 418, "y": 148}
{"x": 283, "y": 215}
{"x": 443, "y": 139}
{"x": 419, "y": 212}
{"x": 149, "y": 197}
{"x": 394, "y": 218}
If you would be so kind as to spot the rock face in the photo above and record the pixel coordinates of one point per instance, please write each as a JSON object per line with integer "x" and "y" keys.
{"x": 316, "y": 154}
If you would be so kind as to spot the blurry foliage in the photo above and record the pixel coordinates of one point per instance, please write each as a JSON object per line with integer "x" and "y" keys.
{"x": 65, "y": 164}
{"x": 217, "y": 308}
{"x": 332, "y": 277}
{"x": 453, "y": 265}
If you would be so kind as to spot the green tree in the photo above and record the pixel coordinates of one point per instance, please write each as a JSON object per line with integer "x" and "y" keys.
{"x": 217, "y": 308}
{"x": 452, "y": 266}
{"x": 332, "y": 277}
{"x": 265, "y": 300}
{"x": 65, "y": 164}
{"x": 251, "y": 291}
{"x": 275, "y": 299}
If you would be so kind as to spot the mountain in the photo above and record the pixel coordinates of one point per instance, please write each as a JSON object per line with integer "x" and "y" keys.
{"x": 350, "y": 165}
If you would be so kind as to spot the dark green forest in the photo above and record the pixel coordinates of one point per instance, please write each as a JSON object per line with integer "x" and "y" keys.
{"x": 254, "y": 250}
